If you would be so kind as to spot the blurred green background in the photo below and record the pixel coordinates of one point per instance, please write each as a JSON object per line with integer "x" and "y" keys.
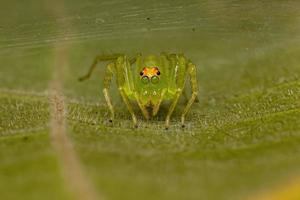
{"x": 242, "y": 138}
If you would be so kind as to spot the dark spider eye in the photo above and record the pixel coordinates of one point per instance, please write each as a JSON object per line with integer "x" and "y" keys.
{"x": 158, "y": 73}
{"x": 141, "y": 73}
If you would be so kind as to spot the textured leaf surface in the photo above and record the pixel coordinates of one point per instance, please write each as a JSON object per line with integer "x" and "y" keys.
{"x": 241, "y": 139}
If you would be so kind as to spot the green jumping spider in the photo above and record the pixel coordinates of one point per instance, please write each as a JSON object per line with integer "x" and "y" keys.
{"x": 148, "y": 80}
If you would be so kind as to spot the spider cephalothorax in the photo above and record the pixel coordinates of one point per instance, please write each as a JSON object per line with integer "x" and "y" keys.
{"x": 149, "y": 80}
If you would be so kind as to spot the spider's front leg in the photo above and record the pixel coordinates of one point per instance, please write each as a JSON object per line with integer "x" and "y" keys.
{"x": 172, "y": 107}
{"x": 111, "y": 69}
{"x": 179, "y": 65}
{"x": 122, "y": 65}
{"x": 106, "y": 84}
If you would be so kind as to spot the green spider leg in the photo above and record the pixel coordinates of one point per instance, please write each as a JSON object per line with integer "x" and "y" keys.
{"x": 121, "y": 66}
{"x": 193, "y": 80}
{"x": 129, "y": 107}
{"x": 99, "y": 58}
{"x": 107, "y": 80}
{"x": 106, "y": 84}
{"x": 111, "y": 69}
{"x": 186, "y": 98}
{"x": 172, "y": 107}
{"x": 143, "y": 109}
{"x": 180, "y": 80}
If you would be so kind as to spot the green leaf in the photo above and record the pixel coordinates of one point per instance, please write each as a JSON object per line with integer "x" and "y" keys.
{"x": 240, "y": 140}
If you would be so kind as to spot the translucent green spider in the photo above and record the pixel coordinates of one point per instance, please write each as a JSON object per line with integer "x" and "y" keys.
{"x": 149, "y": 80}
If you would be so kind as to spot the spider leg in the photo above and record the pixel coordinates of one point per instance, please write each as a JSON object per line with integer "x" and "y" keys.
{"x": 117, "y": 68}
{"x": 172, "y": 107}
{"x": 98, "y": 59}
{"x": 143, "y": 109}
{"x": 129, "y": 107}
{"x": 177, "y": 76}
{"x": 107, "y": 82}
{"x": 186, "y": 98}
{"x": 193, "y": 79}
{"x": 124, "y": 82}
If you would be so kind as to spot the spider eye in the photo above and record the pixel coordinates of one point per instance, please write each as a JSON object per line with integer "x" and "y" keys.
{"x": 158, "y": 73}
{"x": 154, "y": 79}
{"x": 145, "y": 79}
{"x": 141, "y": 73}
